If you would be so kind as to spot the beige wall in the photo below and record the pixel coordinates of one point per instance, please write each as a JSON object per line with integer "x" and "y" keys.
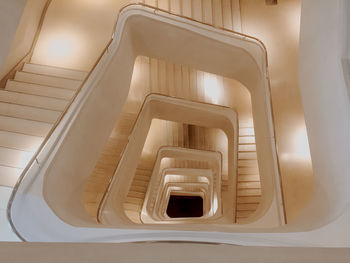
{"x": 278, "y": 27}
{"x": 165, "y": 252}
{"x": 10, "y": 15}
{"x": 75, "y": 32}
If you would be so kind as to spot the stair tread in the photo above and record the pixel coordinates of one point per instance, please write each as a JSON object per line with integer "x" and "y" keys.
{"x": 247, "y": 207}
{"x": 248, "y": 199}
{"x": 28, "y": 112}
{"x": 55, "y": 71}
{"x": 247, "y": 163}
{"x": 28, "y": 127}
{"x": 19, "y": 141}
{"x": 48, "y": 80}
{"x": 248, "y": 185}
{"x": 248, "y": 192}
{"x": 136, "y": 194}
{"x": 9, "y": 175}
{"x": 248, "y": 178}
{"x": 14, "y": 158}
{"x": 39, "y": 90}
{"x": 32, "y": 100}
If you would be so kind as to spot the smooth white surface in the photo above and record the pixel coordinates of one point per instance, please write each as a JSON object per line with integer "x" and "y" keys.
{"x": 6, "y": 233}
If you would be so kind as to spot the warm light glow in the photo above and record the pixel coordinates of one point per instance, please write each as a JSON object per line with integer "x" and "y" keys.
{"x": 60, "y": 48}
{"x": 211, "y": 88}
{"x": 214, "y": 206}
{"x": 302, "y": 144}
{"x": 299, "y": 150}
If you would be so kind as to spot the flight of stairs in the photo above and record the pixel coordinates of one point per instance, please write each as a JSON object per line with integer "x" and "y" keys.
{"x": 30, "y": 104}
{"x": 248, "y": 180}
{"x": 134, "y": 200}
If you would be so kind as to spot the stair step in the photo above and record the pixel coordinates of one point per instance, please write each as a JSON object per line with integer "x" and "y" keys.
{"x": 143, "y": 172}
{"x": 140, "y": 183}
{"x": 247, "y": 207}
{"x": 133, "y": 200}
{"x": 28, "y": 127}
{"x": 246, "y": 140}
{"x": 248, "y": 192}
{"x": 28, "y": 113}
{"x": 20, "y": 141}
{"x": 144, "y": 178}
{"x": 247, "y": 148}
{"x": 249, "y": 178}
{"x": 14, "y": 158}
{"x": 248, "y": 170}
{"x": 247, "y": 156}
{"x": 39, "y": 90}
{"x": 32, "y": 100}
{"x": 136, "y": 194}
{"x": 55, "y": 71}
{"x": 48, "y": 80}
{"x": 136, "y": 188}
{"x": 247, "y": 163}
{"x": 9, "y": 175}
{"x": 132, "y": 207}
{"x": 243, "y": 214}
{"x": 248, "y": 199}
{"x": 248, "y": 185}
{"x": 246, "y": 132}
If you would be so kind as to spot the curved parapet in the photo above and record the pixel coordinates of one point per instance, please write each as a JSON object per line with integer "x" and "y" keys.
{"x": 167, "y": 108}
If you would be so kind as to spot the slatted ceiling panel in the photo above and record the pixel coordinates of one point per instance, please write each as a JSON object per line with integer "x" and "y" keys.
{"x": 186, "y": 8}
{"x": 197, "y": 10}
{"x": 186, "y": 82}
{"x": 200, "y": 86}
{"x": 151, "y": 2}
{"x": 175, "y": 7}
{"x": 154, "y": 75}
{"x": 227, "y": 14}
{"x": 170, "y": 79}
{"x": 207, "y": 11}
{"x": 217, "y": 13}
{"x": 236, "y": 16}
{"x": 221, "y": 93}
{"x": 163, "y": 4}
{"x": 162, "y": 77}
{"x": 193, "y": 83}
{"x": 178, "y": 81}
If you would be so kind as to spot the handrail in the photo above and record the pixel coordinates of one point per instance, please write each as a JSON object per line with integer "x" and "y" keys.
{"x": 29, "y": 54}
{"x": 34, "y": 158}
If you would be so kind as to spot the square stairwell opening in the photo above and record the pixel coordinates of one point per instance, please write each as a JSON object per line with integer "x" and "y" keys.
{"x": 182, "y": 206}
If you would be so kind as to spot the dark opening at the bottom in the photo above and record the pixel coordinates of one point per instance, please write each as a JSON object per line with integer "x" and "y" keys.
{"x": 185, "y": 206}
